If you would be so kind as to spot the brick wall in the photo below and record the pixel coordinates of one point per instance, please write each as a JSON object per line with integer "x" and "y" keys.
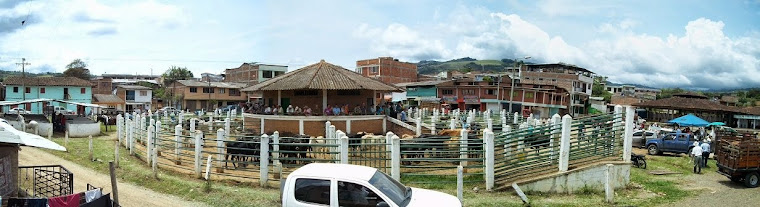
{"x": 389, "y": 70}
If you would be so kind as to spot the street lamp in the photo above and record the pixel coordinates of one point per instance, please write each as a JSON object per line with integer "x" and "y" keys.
{"x": 512, "y": 80}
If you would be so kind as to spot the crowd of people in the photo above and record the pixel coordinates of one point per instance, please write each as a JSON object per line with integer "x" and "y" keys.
{"x": 396, "y": 110}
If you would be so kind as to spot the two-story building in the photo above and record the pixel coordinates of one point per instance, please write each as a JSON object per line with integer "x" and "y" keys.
{"x": 253, "y": 73}
{"x": 58, "y": 88}
{"x": 388, "y": 70}
{"x": 423, "y": 94}
{"x": 196, "y": 95}
{"x": 136, "y": 97}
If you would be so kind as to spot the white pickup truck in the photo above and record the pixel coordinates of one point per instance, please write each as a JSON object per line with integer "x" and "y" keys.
{"x": 323, "y": 184}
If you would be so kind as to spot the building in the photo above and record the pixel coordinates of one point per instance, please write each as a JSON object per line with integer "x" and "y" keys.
{"x": 195, "y": 95}
{"x": 252, "y": 74}
{"x": 576, "y": 80}
{"x": 211, "y": 77}
{"x": 729, "y": 100}
{"x": 102, "y": 85}
{"x": 423, "y": 94}
{"x": 487, "y": 92}
{"x": 131, "y": 77}
{"x": 136, "y": 97}
{"x": 69, "y": 89}
{"x": 388, "y": 70}
{"x": 632, "y": 91}
{"x": 663, "y": 110}
{"x": 109, "y": 101}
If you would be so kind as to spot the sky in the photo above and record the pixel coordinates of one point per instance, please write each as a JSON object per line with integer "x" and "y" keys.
{"x": 700, "y": 44}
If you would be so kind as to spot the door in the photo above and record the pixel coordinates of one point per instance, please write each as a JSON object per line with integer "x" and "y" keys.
{"x": 285, "y": 103}
{"x": 682, "y": 142}
{"x": 353, "y": 194}
{"x": 311, "y": 192}
{"x": 668, "y": 142}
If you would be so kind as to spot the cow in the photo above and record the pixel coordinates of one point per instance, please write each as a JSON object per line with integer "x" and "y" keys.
{"x": 241, "y": 150}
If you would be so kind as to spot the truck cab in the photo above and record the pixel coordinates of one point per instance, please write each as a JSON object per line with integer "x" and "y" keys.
{"x": 325, "y": 184}
{"x": 674, "y": 142}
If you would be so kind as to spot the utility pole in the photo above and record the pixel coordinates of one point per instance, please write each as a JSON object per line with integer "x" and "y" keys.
{"x": 23, "y": 64}
{"x": 512, "y": 80}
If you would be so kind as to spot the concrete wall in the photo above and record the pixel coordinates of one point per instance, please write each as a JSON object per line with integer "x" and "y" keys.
{"x": 576, "y": 179}
{"x": 83, "y": 129}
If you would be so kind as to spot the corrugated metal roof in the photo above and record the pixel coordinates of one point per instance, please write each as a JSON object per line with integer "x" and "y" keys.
{"x": 195, "y": 83}
{"x": 322, "y": 75}
{"x": 421, "y": 83}
{"x": 133, "y": 87}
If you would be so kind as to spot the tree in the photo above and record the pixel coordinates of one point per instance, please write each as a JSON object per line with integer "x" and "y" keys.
{"x": 176, "y": 73}
{"x": 598, "y": 89}
{"x": 77, "y": 68}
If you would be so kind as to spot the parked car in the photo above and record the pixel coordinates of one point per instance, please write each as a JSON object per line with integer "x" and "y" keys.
{"x": 231, "y": 107}
{"x": 111, "y": 111}
{"x": 170, "y": 110}
{"x": 640, "y": 138}
{"x": 61, "y": 110}
{"x": 672, "y": 142}
{"x": 18, "y": 111}
{"x": 354, "y": 185}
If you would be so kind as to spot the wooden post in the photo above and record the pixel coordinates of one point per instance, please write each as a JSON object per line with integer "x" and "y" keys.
{"x": 66, "y": 136}
{"x": 114, "y": 186}
{"x": 91, "y": 157}
{"x": 149, "y": 145}
{"x": 116, "y": 154}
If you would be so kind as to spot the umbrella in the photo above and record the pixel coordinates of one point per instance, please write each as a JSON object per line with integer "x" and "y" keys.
{"x": 8, "y": 134}
{"x": 717, "y": 124}
{"x": 689, "y": 120}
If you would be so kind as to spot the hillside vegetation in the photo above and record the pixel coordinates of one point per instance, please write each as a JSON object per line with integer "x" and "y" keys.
{"x": 464, "y": 64}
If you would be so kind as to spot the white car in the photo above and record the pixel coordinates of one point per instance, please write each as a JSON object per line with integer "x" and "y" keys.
{"x": 326, "y": 184}
{"x": 18, "y": 111}
{"x": 61, "y": 110}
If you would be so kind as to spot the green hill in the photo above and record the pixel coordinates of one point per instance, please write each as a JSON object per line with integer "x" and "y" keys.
{"x": 5, "y": 73}
{"x": 463, "y": 64}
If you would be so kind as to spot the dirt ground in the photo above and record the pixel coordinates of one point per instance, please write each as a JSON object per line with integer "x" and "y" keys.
{"x": 129, "y": 195}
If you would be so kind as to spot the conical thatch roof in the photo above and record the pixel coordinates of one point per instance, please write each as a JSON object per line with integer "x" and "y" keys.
{"x": 321, "y": 75}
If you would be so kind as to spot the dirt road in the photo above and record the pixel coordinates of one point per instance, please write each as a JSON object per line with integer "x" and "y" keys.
{"x": 129, "y": 195}
{"x": 718, "y": 190}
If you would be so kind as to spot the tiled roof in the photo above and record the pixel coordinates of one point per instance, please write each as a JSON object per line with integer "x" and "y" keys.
{"x": 46, "y": 81}
{"x": 322, "y": 75}
{"x": 106, "y": 98}
{"x": 625, "y": 101}
{"x": 729, "y": 99}
{"x": 195, "y": 83}
{"x": 681, "y": 103}
{"x": 421, "y": 83}
{"x": 690, "y": 94}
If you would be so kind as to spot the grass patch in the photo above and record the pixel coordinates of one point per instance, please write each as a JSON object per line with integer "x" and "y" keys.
{"x": 184, "y": 186}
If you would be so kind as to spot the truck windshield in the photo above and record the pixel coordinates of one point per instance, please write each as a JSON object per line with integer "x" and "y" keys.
{"x": 396, "y": 191}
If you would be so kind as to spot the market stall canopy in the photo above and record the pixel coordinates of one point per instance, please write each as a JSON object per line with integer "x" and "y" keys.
{"x": 11, "y": 135}
{"x": 689, "y": 120}
{"x": 717, "y": 124}
{"x": 324, "y": 76}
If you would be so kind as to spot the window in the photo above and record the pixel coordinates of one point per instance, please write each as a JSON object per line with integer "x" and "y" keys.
{"x": 514, "y": 94}
{"x": 349, "y": 92}
{"x": 540, "y": 79}
{"x": 472, "y": 83}
{"x": 637, "y": 134}
{"x": 15, "y": 89}
{"x": 306, "y": 92}
{"x": 278, "y": 73}
{"x": 491, "y": 92}
{"x": 193, "y": 90}
{"x": 143, "y": 93}
{"x": 670, "y": 137}
{"x": 27, "y": 90}
{"x": 554, "y": 80}
{"x": 82, "y": 90}
{"x": 42, "y": 90}
{"x": 352, "y": 194}
{"x": 374, "y": 69}
{"x": 447, "y": 92}
{"x": 267, "y": 74}
{"x": 312, "y": 191}
{"x": 682, "y": 137}
{"x": 208, "y": 90}
{"x": 222, "y": 91}
{"x": 529, "y": 95}
{"x": 234, "y": 92}
{"x": 468, "y": 92}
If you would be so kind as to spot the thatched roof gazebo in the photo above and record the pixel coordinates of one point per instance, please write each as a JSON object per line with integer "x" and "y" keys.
{"x": 335, "y": 85}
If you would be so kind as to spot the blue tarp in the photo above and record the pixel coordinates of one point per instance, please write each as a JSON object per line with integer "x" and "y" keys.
{"x": 689, "y": 120}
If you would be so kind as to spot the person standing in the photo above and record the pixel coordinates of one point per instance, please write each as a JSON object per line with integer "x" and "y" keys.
{"x": 696, "y": 151}
{"x": 705, "y": 152}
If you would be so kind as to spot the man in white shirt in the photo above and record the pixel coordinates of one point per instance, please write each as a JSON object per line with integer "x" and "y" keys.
{"x": 705, "y": 152}
{"x": 696, "y": 151}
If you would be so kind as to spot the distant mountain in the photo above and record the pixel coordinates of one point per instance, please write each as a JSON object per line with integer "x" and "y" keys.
{"x": 464, "y": 64}
{"x": 5, "y": 73}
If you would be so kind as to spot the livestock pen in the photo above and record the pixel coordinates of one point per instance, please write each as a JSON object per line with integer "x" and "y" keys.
{"x": 181, "y": 143}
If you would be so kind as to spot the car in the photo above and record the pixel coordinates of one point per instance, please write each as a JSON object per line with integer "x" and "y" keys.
{"x": 640, "y": 138}
{"x": 18, "y": 111}
{"x": 111, "y": 111}
{"x": 231, "y": 107}
{"x": 167, "y": 109}
{"x": 323, "y": 184}
{"x": 675, "y": 142}
{"x": 61, "y": 110}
